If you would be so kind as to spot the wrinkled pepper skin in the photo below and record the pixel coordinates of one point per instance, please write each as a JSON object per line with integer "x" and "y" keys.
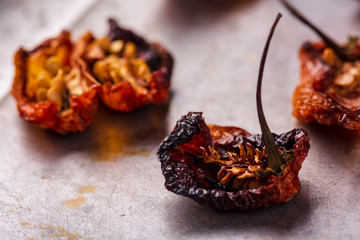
{"x": 122, "y": 96}
{"x": 313, "y": 99}
{"x": 184, "y": 176}
{"x": 82, "y": 108}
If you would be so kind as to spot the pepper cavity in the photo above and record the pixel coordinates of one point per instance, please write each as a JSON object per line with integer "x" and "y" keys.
{"x": 130, "y": 71}
{"x": 247, "y": 169}
{"x": 117, "y": 61}
{"x": 50, "y": 75}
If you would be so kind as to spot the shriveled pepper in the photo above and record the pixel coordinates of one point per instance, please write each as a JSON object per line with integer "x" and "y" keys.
{"x": 329, "y": 89}
{"x": 228, "y": 168}
{"x": 52, "y": 89}
{"x": 131, "y": 71}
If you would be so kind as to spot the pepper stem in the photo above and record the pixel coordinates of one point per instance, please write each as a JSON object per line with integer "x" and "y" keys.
{"x": 274, "y": 158}
{"x": 332, "y": 44}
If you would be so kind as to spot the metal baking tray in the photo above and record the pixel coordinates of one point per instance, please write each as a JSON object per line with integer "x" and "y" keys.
{"x": 106, "y": 182}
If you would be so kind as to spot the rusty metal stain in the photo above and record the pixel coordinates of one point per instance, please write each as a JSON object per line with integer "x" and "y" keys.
{"x": 87, "y": 189}
{"x": 55, "y": 232}
{"x": 75, "y": 203}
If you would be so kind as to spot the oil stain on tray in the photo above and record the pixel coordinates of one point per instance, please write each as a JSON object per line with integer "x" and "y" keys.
{"x": 117, "y": 135}
{"x": 114, "y": 144}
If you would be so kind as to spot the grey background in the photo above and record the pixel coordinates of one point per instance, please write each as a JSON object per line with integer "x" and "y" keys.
{"x": 217, "y": 47}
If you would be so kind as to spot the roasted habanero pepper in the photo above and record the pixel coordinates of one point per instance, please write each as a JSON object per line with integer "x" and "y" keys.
{"x": 52, "y": 89}
{"x": 228, "y": 168}
{"x": 132, "y": 72}
{"x": 329, "y": 89}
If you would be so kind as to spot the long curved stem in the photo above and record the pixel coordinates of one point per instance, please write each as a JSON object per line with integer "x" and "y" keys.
{"x": 331, "y": 43}
{"x": 274, "y": 159}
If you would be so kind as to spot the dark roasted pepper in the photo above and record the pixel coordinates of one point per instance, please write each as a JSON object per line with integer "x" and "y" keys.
{"x": 228, "y": 168}
{"x": 329, "y": 89}
{"x": 131, "y": 71}
{"x": 52, "y": 89}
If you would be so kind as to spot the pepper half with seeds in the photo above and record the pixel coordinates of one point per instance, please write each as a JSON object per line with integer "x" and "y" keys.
{"x": 228, "y": 168}
{"x": 329, "y": 89}
{"x": 131, "y": 71}
{"x": 52, "y": 89}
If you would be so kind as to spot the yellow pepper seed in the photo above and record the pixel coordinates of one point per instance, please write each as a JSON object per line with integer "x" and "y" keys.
{"x": 104, "y": 43}
{"x": 56, "y": 90}
{"x": 41, "y": 94}
{"x": 129, "y": 50}
{"x": 53, "y": 64}
{"x": 100, "y": 70}
{"x": 43, "y": 83}
{"x": 116, "y": 46}
{"x": 330, "y": 57}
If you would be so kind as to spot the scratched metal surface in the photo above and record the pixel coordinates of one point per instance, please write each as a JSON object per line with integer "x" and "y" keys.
{"x": 106, "y": 183}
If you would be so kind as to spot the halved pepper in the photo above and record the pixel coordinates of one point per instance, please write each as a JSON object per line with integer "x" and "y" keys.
{"x": 52, "y": 89}
{"x": 329, "y": 89}
{"x": 132, "y": 72}
{"x": 228, "y": 168}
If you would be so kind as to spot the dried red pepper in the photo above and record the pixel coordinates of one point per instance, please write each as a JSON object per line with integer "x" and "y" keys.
{"x": 329, "y": 89}
{"x": 51, "y": 88}
{"x": 132, "y": 72}
{"x": 228, "y": 168}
